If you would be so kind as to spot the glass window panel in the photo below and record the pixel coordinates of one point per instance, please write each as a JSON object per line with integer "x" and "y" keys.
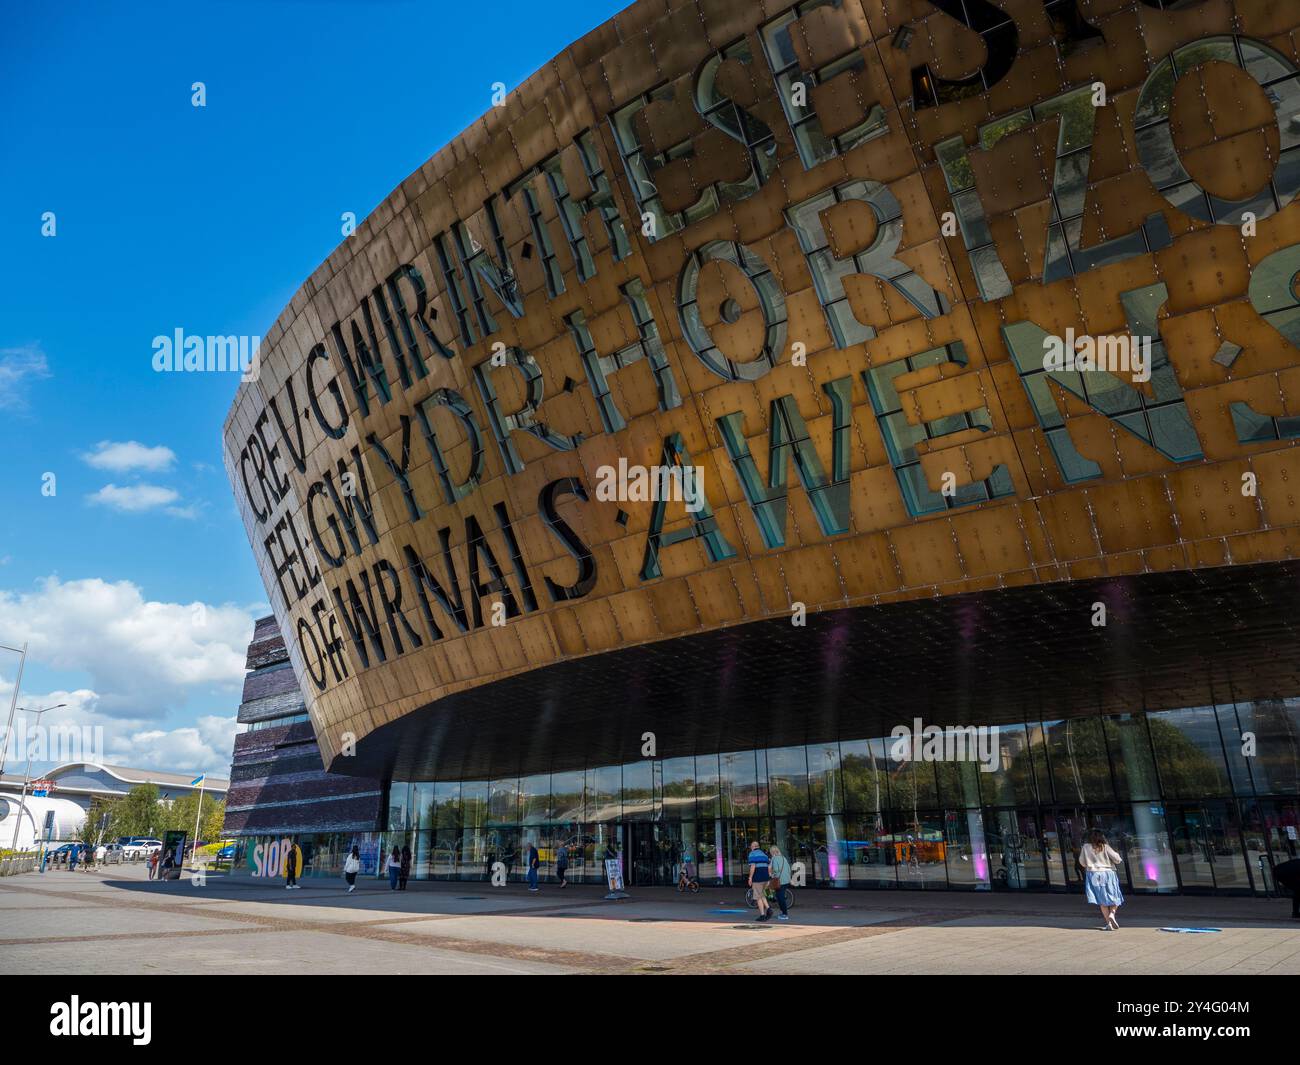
{"x": 474, "y": 803}
{"x": 959, "y": 783}
{"x": 1076, "y": 752}
{"x": 966, "y": 851}
{"x": 738, "y": 784}
{"x": 679, "y": 788}
{"x": 865, "y": 772}
{"x": 787, "y": 780}
{"x": 867, "y": 853}
{"x": 1012, "y": 778}
{"x": 912, "y": 785}
{"x": 638, "y": 791}
{"x": 1131, "y": 757}
{"x": 1276, "y": 725}
{"x": 399, "y": 805}
{"x": 707, "y": 783}
{"x": 446, "y": 809}
{"x": 1189, "y": 753}
{"x": 535, "y": 799}
{"x": 825, "y": 792}
{"x": 920, "y": 849}
{"x": 604, "y": 793}
{"x": 422, "y": 805}
{"x": 503, "y": 802}
{"x": 566, "y": 797}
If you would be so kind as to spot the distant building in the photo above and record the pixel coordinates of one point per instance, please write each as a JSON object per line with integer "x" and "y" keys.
{"x": 279, "y": 788}
{"x": 76, "y": 786}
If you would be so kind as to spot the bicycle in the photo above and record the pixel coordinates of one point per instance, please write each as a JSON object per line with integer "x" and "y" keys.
{"x": 688, "y": 881}
{"x": 770, "y": 892}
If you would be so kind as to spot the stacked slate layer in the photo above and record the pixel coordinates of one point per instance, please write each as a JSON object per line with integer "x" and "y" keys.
{"x": 278, "y": 782}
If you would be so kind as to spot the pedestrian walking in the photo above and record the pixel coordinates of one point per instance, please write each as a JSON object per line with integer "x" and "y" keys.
{"x": 72, "y": 858}
{"x": 351, "y": 867}
{"x": 562, "y": 865}
{"x": 394, "y": 868}
{"x": 1288, "y": 875}
{"x": 779, "y": 868}
{"x": 1098, "y": 860}
{"x": 404, "y": 872}
{"x": 534, "y": 864}
{"x": 759, "y": 875}
{"x": 152, "y": 862}
{"x": 291, "y": 867}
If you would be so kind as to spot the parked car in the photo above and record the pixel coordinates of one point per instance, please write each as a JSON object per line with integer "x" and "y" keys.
{"x": 227, "y": 852}
{"x": 141, "y": 848}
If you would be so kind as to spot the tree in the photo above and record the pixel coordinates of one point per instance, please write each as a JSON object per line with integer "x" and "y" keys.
{"x": 138, "y": 813}
{"x": 98, "y": 824}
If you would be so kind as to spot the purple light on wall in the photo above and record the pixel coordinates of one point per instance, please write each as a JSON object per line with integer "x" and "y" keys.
{"x": 1153, "y": 872}
{"x": 833, "y": 863}
{"x": 719, "y": 864}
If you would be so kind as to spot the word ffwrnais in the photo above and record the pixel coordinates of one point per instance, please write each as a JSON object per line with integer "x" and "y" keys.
{"x": 955, "y": 743}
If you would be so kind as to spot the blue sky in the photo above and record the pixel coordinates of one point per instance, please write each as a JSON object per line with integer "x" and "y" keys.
{"x": 134, "y": 579}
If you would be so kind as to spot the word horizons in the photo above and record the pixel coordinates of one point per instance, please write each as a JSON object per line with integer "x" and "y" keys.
{"x": 380, "y": 353}
{"x": 79, "y": 1018}
{"x": 1114, "y": 354}
{"x": 955, "y": 743}
{"x": 179, "y": 353}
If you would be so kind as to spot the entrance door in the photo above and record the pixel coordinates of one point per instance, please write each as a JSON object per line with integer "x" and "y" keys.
{"x": 640, "y": 853}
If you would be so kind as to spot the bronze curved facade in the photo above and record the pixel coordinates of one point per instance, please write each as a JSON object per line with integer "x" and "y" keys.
{"x": 818, "y": 252}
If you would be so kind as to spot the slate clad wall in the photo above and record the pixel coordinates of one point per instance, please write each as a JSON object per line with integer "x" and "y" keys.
{"x": 278, "y": 782}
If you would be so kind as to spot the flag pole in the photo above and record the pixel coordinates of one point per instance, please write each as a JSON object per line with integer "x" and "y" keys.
{"x": 198, "y": 813}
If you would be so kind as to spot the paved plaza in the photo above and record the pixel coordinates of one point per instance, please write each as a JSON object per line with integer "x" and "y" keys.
{"x": 114, "y": 920}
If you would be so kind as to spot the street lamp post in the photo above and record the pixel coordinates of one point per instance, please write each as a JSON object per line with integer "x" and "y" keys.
{"x": 27, "y": 774}
{"x": 13, "y": 702}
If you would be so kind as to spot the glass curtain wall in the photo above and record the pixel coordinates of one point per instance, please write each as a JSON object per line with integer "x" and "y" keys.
{"x": 1196, "y": 799}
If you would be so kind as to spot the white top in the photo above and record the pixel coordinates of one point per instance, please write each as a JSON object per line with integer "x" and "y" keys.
{"x": 1099, "y": 861}
{"x": 351, "y": 865}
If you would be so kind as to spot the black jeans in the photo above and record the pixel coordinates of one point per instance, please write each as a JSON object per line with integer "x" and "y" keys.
{"x": 780, "y": 899}
{"x": 562, "y": 873}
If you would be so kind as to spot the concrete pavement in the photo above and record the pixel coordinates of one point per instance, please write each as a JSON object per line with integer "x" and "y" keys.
{"x": 114, "y": 920}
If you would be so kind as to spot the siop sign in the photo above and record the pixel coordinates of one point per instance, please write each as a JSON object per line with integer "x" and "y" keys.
{"x": 270, "y": 858}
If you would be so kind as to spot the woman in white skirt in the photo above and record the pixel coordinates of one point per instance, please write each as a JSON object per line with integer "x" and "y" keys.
{"x": 1098, "y": 860}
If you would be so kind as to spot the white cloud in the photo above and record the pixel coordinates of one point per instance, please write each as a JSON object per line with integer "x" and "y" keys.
{"x": 124, "y": 455}
{"x": 134, "y": 498}
{"x": 18, "y": 367}
{"x": 77, "y": 732}
{"x": 143, "y": 657}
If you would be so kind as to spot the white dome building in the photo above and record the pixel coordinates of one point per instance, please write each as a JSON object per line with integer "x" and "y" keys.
{"x": 31, "y": 815}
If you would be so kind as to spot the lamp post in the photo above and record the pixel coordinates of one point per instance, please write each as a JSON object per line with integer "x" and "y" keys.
{"x": 27, "y": 774}
{"x": 13, "y": 702}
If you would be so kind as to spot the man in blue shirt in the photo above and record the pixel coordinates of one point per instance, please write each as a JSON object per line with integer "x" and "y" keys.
{"x": 759, "y": 875}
